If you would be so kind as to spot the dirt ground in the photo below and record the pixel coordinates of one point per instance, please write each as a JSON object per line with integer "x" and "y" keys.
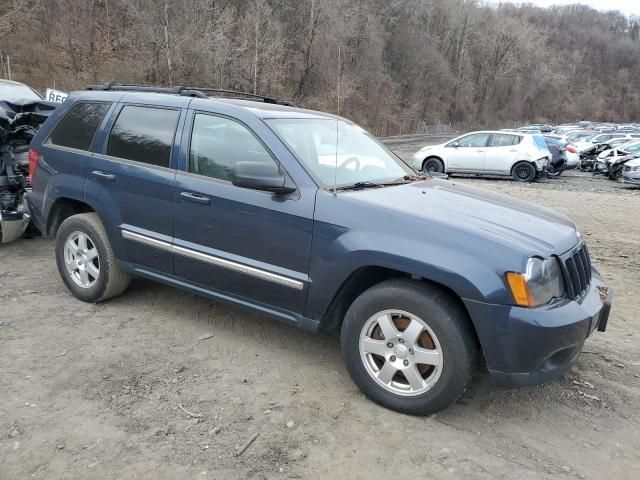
{"x": 98, "y": 391}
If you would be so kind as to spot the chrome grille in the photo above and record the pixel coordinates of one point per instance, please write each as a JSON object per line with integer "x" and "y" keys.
{"x": 576, "y": 267}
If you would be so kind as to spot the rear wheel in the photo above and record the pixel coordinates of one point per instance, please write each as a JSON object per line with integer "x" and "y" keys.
{"x": 433, "y": 164}
{"x": 408, "y": 346}
{"x": 86, "y": 261}
{"x": 523, "y": 172}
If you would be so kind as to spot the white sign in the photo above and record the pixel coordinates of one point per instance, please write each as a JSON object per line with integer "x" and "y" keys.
{"x": 52, "y": 95}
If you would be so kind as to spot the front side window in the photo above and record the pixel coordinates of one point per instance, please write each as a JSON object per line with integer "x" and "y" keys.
{"x": 144, "y": 134}
{"x": 79, "y": 125}
{"x": 337, "y": 152}
{"x": 218, "y": 143}
{"x": 475, "y": 140}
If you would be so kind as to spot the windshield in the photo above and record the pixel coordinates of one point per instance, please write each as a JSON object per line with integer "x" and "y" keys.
{"x": 633, "y": 148}
{"x": 338, "y": 152}
{"x": 11, "y": 92}
{"x": 578, "y": 135}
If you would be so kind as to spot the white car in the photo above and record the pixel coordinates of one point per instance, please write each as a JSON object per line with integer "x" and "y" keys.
{"x": 603, "y": 138}
{"x": 521, "y": 155}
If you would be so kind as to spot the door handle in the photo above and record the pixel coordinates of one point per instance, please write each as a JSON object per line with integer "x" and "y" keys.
{"x": 479, "y": 151}
{"x": 110, "y": 177}
{"x": 195, "y": 198}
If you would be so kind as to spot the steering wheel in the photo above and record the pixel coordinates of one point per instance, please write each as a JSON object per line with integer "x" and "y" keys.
{"x": 349, "y": 160}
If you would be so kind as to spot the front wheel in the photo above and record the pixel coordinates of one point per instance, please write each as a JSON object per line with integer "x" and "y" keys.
{"x": 524, "y": 172}
{"x": 408, "y": 346}
{"x": 433, "y": 164}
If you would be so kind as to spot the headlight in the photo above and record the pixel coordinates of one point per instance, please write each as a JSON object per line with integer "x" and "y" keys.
{"x": 541, "y": 282}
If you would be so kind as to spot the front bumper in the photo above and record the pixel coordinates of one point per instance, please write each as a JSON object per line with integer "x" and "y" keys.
{"x": 529, "y": 346}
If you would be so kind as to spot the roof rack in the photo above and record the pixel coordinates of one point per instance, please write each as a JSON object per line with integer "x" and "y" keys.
{"x": 200, "y": 92}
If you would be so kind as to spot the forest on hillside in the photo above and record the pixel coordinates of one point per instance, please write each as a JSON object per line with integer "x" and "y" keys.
{"x": 391, "y": 65}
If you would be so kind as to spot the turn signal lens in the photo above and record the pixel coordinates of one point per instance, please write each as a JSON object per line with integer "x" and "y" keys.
{"x": 518, "y": 284}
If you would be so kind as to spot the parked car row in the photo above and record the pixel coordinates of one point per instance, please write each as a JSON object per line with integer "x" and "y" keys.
{"x": 529, "y": 152}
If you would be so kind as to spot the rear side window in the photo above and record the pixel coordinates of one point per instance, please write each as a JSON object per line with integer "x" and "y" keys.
{"x": 144, "y": 134}
{"x": 79, "y": 125}
{"x": 504, "y": 140}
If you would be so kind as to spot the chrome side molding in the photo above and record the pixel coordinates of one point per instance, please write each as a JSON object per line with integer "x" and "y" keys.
{"x": 213, "y": 260}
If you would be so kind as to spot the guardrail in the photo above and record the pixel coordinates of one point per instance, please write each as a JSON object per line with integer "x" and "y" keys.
{"x": 426, "y": 138}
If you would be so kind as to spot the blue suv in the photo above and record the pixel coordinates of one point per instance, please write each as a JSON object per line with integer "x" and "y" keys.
{"x": 305, "y": 217}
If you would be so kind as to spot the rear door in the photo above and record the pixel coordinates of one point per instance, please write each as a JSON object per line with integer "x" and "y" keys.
{"x": 468, "y": 153}
{"x": 501, "y": 153}
{"x": 131, "y": 177}
{"x": 248, "y": 243}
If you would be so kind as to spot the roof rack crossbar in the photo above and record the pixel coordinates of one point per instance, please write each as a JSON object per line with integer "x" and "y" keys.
{"x": 188, "y": 91}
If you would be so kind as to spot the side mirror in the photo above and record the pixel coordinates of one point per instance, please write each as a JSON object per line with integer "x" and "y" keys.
{"x": 454, "y": 145}
{"x": 260, "y": 176}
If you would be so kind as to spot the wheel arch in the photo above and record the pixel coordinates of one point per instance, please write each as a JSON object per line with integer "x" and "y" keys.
{"x": 63, "y": 208}
{"x": 518, "y": 162}
{"x": 368, "y": 276}
{"x": 530, "y": 162}
{"x": 435, "y": 157}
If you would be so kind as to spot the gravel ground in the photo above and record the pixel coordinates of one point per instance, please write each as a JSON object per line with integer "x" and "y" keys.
{"x": 162, "y": 384}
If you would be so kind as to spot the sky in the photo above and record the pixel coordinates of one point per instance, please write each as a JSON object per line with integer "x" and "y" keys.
{"x": 629, "y": 7}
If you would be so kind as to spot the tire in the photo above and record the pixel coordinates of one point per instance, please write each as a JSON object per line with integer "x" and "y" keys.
{"x": 447, "y": 330}
{"x": 524, "y": 172}
{"x": 432, "y": 164}
{"x": 106, "y": 279}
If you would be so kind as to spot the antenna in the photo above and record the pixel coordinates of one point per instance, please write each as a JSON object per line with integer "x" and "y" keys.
{"x": 335, "y": 170}
{"x": 339, "y": 79}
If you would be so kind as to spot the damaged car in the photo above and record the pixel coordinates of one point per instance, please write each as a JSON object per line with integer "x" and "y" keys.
{"x": 523, "y": 156}
{"x": 22, "y": 111}
{"x": 631, "y": 172}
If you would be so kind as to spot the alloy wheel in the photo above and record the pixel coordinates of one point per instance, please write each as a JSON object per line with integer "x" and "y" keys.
{"x": 81, "y": 259}
{"x": 401, "y": 353}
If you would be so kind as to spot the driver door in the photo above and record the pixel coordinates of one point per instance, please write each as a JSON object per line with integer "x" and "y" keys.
{"x": 467, "y": 154}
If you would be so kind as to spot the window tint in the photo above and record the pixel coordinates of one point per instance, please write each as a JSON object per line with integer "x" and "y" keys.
{"x": 474, "y": 140}
{"x": 504, "y": 140}
{"x": 217, "y": 143}
{"x": 144, "y": 134}
{"x": 79, "y": 125}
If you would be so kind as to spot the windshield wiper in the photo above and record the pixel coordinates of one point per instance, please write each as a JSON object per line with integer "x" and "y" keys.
{"x": 360, "y": 186}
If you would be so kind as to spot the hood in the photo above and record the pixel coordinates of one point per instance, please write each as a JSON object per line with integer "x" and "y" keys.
{"x": 523, "y": 226}
{"x": 431, "y": 147}
{"x": 583, "y": 146}
{"x": 634, "y": 163}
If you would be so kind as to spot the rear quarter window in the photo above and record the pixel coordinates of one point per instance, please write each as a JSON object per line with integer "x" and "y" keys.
{"x": 78, "y": 126}
{"x": 144, "y": 134}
